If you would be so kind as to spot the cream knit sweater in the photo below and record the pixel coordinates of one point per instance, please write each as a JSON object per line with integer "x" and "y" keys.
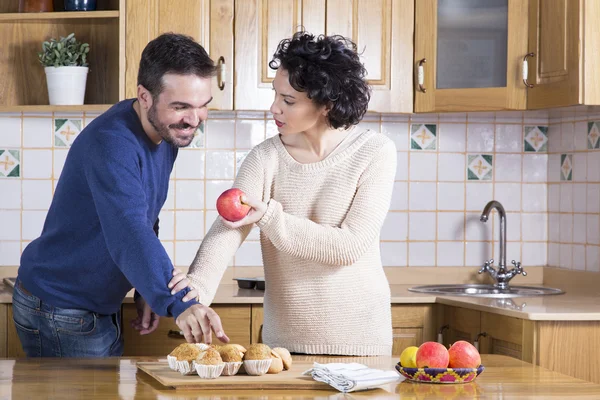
{"x": 326, "y": 291}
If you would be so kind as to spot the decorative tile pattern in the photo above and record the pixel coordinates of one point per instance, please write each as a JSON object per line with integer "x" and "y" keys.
{"x": 479, "y": 167}
{"x": 566, "y": 167}
{"x": 423, "y": 136}
{"x": 198, "y": 141}
{"x": 536, "y": 138}
{"x": 593, "y": 135}
{"x": 66, "y": 130}
{"x": 10, "y": 163}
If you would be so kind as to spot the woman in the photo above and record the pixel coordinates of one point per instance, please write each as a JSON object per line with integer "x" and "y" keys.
{"x": 319, "y": 191}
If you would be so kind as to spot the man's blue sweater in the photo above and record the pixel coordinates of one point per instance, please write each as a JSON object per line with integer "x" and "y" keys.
{"x": 98, "y": 239}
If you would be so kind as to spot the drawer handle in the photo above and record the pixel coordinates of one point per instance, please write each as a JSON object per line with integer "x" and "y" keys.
{"x": 404, "y": 335}
{"x": 175, "y": 334}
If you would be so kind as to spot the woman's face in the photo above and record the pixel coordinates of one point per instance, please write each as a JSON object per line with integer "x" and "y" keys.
{"x": 293, "y": 111}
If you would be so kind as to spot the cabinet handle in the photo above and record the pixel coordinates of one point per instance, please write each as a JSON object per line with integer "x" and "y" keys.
{"x": 403, "y": 335}
{"x": 222, "y": 73}
{"x": 526, "y": 70}
{"x": 421, "y": 75}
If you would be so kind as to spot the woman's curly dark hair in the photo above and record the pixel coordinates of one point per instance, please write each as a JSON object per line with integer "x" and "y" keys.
{"x": 329, "y": 70}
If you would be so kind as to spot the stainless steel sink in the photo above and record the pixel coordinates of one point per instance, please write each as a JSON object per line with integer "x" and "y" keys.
{"x": 492, "y": 291}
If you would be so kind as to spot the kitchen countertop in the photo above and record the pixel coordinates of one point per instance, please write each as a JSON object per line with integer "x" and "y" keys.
{"x": 118, "y": 378}
{"x": 571, "y": 306}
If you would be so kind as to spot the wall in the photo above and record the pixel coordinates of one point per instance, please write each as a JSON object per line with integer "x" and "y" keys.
{"x": 574, "y": 189}
{"x": 449, "y": 167}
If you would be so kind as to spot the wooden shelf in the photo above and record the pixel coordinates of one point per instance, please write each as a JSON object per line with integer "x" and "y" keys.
{"x": 58, "y": 15}
{"x": 49, "y": 108}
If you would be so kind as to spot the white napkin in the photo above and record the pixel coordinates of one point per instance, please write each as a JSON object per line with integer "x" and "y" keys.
{"x": 351, "y": 377}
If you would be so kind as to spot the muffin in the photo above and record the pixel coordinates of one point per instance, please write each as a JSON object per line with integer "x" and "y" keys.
{"x": 285, "y": 355}
{"x": 257, "y": 359}
{"x": 181, "y": 359}
{"x": 276, "y": 363}
{"x": 209, "y": 364}
{"x": 232, "y": 355}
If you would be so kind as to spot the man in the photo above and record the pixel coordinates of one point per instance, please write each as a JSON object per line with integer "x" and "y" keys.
{"x": 99, "y": 238}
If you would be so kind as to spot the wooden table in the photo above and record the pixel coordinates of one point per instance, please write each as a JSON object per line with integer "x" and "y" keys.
{"x": 504, "y": 378}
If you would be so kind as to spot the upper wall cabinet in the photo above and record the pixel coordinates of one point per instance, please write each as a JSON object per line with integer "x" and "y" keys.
{"x": 469, "y": 55}
{"x": 382, "y": 29}
{"x": 210, "y": 22}
{"x": 564, "y": 60}
{"x": 24, "y": 85}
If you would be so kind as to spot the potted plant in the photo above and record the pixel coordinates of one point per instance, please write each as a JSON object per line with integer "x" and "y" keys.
{"x": 65, "y": 62}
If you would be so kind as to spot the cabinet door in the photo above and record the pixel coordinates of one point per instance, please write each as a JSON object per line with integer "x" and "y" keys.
{"x": 13, "y": 343}
{"x": 555, "y": 41}
{"x": 470, "y": 55}
{"x": 406, "y": 337}
{"x": 259, "y": 27}
{"x": 235, "y": 320}
{"x": 463, "y": 324}
{"x": 383, "y": 31}
{"x": 209, "y": 22}
{"x": 256, "y": 324}
{"x": 504, "y": 335}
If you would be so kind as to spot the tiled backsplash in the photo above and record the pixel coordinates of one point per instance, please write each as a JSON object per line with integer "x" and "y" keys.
{"x": 449, "y": 167}
{"x": 574, "y": 191}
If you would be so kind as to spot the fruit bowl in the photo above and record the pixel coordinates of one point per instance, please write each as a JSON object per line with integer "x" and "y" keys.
{"x": 440, "y": 375}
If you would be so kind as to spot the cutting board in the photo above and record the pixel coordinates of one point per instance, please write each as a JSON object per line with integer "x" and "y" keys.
{"x": 291, "y": 379}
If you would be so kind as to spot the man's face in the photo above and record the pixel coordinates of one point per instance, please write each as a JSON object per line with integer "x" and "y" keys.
{"x": 180, "y": 108}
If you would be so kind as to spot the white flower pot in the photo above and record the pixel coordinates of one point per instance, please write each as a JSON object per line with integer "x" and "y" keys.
{"x": 66, "y": 85}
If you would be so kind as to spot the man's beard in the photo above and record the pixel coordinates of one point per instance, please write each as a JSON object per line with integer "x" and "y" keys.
{"x": 163, "y": 130}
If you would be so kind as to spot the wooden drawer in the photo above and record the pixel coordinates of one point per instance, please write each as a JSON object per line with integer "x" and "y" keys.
{"x": 406, "y": 337}
{"x": 235, "y": 319}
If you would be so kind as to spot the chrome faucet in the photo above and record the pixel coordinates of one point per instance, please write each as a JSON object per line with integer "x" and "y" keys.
{"x": 502, "y": 276}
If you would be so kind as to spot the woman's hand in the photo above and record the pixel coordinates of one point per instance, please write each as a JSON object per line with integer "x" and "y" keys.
{"x": 258, "y": 209}
{"x": 179, "y": 282}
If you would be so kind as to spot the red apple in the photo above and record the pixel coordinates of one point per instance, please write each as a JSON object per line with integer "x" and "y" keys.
{"x": 432, "y": 355}
{"x": 464, "y": 355}
{"x": 230, "y": 205}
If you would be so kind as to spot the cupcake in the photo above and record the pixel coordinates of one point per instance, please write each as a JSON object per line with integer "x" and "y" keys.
{"x": 285, "y": 355}
{"x": 209, "y": 364}
{"x": 276, "y": 364}
{"x": 257, "y": 359}
{"x": 182, "y": 357}
{"x": 232, "y": 355}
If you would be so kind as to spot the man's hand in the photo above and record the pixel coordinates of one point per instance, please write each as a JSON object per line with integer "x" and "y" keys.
{"x": 146, "y": 321}
{"x": 198, "y": 322}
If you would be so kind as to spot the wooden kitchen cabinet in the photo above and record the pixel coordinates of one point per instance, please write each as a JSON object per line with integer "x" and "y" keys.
{"x": 463, "y": 324}
{"x": 564, "y": 40}
{"x": 256, "y": 323}
{"x": 13, "y": 343}
{"x": 382, "y": 29}
{"x": 235, "y": 320}
{"x": 23, "y": 78}
{"x": 411, "y": 325}
{"x": 505, "y": 336}
{"x": 469, "y": 55}
{"x": 209, "y": 22}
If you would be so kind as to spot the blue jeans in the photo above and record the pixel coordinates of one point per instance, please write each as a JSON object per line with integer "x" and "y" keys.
{"x": 48, "y": 331}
